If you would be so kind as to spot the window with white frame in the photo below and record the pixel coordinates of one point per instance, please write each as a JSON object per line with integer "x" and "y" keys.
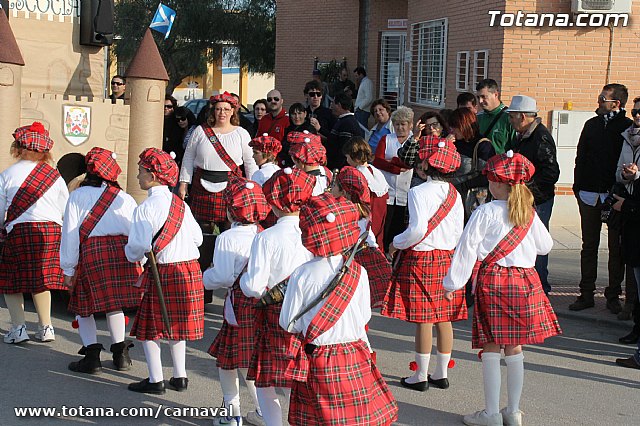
{"x": 462, "y": 71}
{"x": 480, "y": 66}
{"x": 428, "y": 61}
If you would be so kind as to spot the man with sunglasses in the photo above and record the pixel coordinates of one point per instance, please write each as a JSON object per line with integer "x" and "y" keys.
{"x": 597, "y": 156}
{"x": 118, "y": 86}
{"x": 277, "y": 120}
{"x": 318, "y": 116}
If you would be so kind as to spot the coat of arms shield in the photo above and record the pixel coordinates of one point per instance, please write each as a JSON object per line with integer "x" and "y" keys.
{"x": 76, "y": 124}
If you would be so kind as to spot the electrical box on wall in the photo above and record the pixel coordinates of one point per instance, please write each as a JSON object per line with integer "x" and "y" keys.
{"x": 601, "y": 6}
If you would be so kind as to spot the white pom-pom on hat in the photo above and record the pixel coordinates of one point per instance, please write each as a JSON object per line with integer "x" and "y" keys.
{"x": 265, "y": 134}
{"x": 173, "y": 155}
{"x": 114, "y": 155}
{"x": 287, "y": 170}
{"x": 306, "y": 132}
{"x": 441, "y": 144}
{"x": 509, "y": 154}
{"x": 249, "y": 185}
{"x": 330, "y": 217}
{"x": 307, "y": 140}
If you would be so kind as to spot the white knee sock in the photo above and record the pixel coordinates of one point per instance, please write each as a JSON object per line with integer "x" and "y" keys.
{"x": 515, "y": 380}
{"x": 251, "y": 386}
{"x": 287, "y": 393}
{"x": 178, "y": 355}
{"x": 442, "y": 364}
{"x": 154, "y": 361}
{"x": 87, "y": 330}
{"x": 423, "y": 369}
{"x": 230, "y": 389}
{"x": 270, "y": 406}
{"x": 491, "y": 376}
{"x": 115, "y": 324}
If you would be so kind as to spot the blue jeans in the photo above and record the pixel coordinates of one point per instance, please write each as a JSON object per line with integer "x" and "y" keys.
{"x": 542, "y": 262}
{"x": 363, "y": 118}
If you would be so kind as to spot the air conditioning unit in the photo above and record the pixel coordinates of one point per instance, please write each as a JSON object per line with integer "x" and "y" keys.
{"x": 601, "y": 6}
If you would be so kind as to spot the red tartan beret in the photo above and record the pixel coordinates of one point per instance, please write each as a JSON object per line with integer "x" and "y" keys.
{"x": 441, "y": 154}
{"x": 329, "y": 225}
{"x": 33, "y": 137}
{"x": 245, "y": 200}
{"x": 353, "y": 182}
{"x": 509, "y": 168}
{"x": 267, "y": 144}
{"x": 102, "y": 162}
{"x": 224, "y": 97}
{"x": 288, "y": 189}
{"x": 309, "y": 153}
{"x": 302, "y": 137}
{"x": 160, "y": 163}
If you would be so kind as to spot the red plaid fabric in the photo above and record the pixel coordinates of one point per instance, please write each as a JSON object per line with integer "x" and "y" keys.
{"x": 344, "y": 387}
{"x": 184, "y": 297}
{"x": 329, "y": 226}
{"x": 309, "y": 154}
{"x": 105, "y": 278}
{"x": 266, "y": 144}
{"x": 416, "y": 293}
{"x": 39, "y": 181}
{"x": 33, "y": 137}
{"x": 102, "y": 162}
{"x": 440, "y": 153}
{"x": 161, "y": 164}
{"x": 224, "y": 97}
{"x": 31, "y": 259}
{"x": 378, "y": 216}
{"x": 245, "y": 201}
{"x": 273, "y": 344}
{"x": 172, "y": 224}
{"x": 288, "y": 189}
{"x": 97, "y": 211}
{"x": 222, "y": 153}
{"x": 233, "y": 346}
{"x": 509, "y": 168}
{"x": 206, "y": 206}
{"x": 379, "y": 272}
{"x": 269, "y": 221}
{"x": 353, "y": 182}
{"x": 302, "y": 137}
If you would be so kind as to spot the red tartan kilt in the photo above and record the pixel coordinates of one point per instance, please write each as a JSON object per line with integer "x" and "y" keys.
{"x": 233, "y": 346}
{"x": 105, "y": 278}
{"x": 206, "y": 206}
{"x": 272, "y": 348}
{"x": 270, "y": 220}
{"x": 184, "y": 297}
{"x": 378, "y": 216}
{"x": 379, "y": 272}
{"x": 416, "y": 293}
{"x": 31, "y": 259}
{"x": 511, "y": 308}
{"x": 343, "y": 387}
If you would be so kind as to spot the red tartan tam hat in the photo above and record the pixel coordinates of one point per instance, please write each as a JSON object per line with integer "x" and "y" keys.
{"x": 303, "y": 137}
{"x": 162, "y": 164}
{"x": 102, "y": 162}
{"x": 33, "y": 137}
{"x": 288, "y": 189}
{"x": 309, "y": 153}
{"x": 439, "y": 153}
{"x": 329, "y": 225}
{"x": 509, "y": 168}
{"x": 245, "y": 201}
{"x": 224, "y": 97}
{"x": 267, "y": 144}
{"x": 353, "y": 182}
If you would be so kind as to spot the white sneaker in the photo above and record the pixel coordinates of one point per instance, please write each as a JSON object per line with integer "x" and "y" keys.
{"x": 481, "y": 418}
{"x": 17, "y": 334}
{"x": 224, "y": 420}
{"x": 46, "y": 334}
{"x": 255, "y": 419}
{"x": 511, "y": 419}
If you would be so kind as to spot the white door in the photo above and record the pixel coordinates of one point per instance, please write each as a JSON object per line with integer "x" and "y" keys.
{"x": 392, "y": 48}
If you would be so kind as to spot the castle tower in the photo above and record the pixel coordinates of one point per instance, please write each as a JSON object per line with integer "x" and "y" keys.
{"x": 11, "y": 64}
{"x": 146, "y": 84}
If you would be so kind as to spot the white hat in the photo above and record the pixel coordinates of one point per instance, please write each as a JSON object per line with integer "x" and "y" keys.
{"x": 521, "y": 103}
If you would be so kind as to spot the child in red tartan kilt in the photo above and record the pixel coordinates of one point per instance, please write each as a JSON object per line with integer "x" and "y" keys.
{"x": 33, "y": 196}
{"x": 416, "y": 295}
{"x": 308, "y": 154}
{"x": 234, "y": 344}
{"x": 265, "y": 151}
{"x": 498, "y": 249}
{"x": 334, "y": 378}
{"x": 164, "y": 224}
{"x": 95, "y": 230}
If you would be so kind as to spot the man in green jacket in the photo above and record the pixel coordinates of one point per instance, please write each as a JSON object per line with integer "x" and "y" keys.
{"x": 493, "y": 119}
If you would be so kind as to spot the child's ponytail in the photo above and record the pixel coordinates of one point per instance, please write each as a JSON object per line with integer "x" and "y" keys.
{"x": 520, "y": 204}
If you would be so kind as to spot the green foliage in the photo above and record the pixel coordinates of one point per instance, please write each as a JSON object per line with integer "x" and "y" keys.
{"x": 330, "y": 71}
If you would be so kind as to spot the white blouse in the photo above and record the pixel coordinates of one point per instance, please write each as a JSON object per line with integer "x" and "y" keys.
{"x": 266, "y": 171}
{"x": 398, "y": 184}
{"x": 376, "y": 180}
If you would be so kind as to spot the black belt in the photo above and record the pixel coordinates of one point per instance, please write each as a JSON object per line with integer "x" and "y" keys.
{"x": 315, "y": 172}
{"x": 309, "y": 348}
{"x": 214, "y": 176}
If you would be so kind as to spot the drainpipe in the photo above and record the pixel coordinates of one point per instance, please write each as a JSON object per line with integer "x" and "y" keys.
{"x": 363, "y": 33}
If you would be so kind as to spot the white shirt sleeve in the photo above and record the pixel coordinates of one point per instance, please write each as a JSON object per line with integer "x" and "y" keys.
{"x": 466, "y": 252}
{"x": 292, "y": 304}
{"x": 141, "y": 235}
{"x": 250, "y": 166}
{"x": 254, "y": 282}
{"x": 188, "y": 160}
{"x": 222, "y": 272}
{"x": 418, "y": 223}
{"x": 70, "y": 242}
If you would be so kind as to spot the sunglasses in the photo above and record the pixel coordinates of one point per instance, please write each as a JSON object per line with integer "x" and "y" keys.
{"x": 635, "y": 112}
{"x": 603, "y": 99}
{"x": 315, "y": 94}
{"x": 168, "y": 107}
{"x": 275, "y": 99}
{"x": 432, "y": 125}
{"x": 181, "y": 118}
{"x": 115, "y": 83}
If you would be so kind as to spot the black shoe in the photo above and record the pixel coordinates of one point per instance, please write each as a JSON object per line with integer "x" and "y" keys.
{"x": 419, "y": 386}
{"x": 90, "y": 364}
{"x": 178, "y": 383}
{"x": 439, "y": 383}
{"x": 630, "y": 339}
{"x": 121, "y": 358}
{"x": 628, "y": 363}
{"x": 581, "y": 303}
{"x": 614, "y": 306}
{"x": 145, "y": 386}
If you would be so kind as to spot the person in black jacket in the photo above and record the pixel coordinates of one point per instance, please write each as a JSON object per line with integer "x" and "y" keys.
{"x": 345, "y": 127}
{"x": 318, "y": 116}
{"x": 534, "y": 141}
{"x": 597, "y": 156}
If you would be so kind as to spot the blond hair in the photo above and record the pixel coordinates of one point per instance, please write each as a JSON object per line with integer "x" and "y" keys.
{"x": 520, "y": 204}
{"x": 24, "y": 154}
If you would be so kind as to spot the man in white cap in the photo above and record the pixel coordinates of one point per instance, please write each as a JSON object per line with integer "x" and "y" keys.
{"x": 535, "y": 142}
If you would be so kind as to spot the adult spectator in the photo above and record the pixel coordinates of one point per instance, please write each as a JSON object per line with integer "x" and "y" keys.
{"x": 364, "y": 98}
{"x": 118, "y": 87}
{"x": 344, "y": 85}
{"x": 381, "y": 111}
{"x": 299, "y": 123}
{"x": 397, "y": 173}
{"x": 597, "y": 155}
{"x": 346, "y": 126}
{"x": 493, "y": 120}
{"x": 259, "y": 111}
{"x": 172, "y": 134}
{"x": 316, "y": 75}
{"x": 534, "y": 141}
{"x": 276, "y": 121}
{"x": 319, "y": 116}
{"x": 186, "y": 122}
{"x": 467, "y": 100}
{"x": 245, "y": 123}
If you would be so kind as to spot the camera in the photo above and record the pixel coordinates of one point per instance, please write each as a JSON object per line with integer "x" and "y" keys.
{"x": 607, "y": 206}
